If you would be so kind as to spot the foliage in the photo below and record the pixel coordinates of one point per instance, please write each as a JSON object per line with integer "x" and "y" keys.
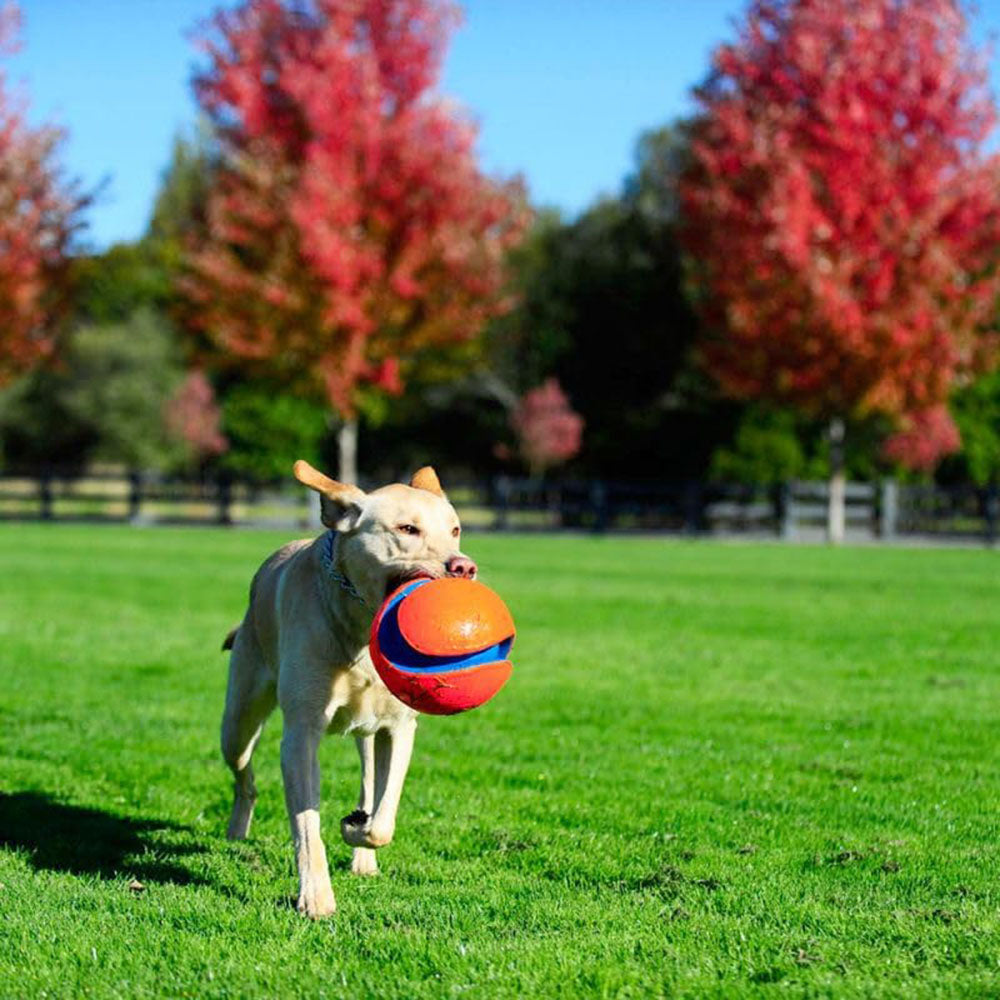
{"x": 840, "y": 209}
{"x": 180, "y": 205}
{"x": 192, "y": 417}
{"x": 524, "y": 344}
{"x": 923, "y": 439}
{"x": 548, "y": 429}
{"x": 348, "y": 227}
{"x": 600, "y": 305}
{"x": 767, "y": 449}
{"x": 105, "y": 401}
{"x": 40, "y": 212}
{"x": 810, "y": 759}
{"x": 976, "y": 409}
{"x": 268, "y": 429}
{"x": 110, "y": 286}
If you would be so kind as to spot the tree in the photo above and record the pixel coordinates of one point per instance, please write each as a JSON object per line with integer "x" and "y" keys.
{"x": 192, "y": 417}
{"x": 922, "y": 439}
{"x": 767, "y": 450}
{"x": 977, "y": 412}
{"x": 180, "y": 206}
{"x": 110, "y": 286}
{"x": 841, "y": 212}
{"x": 601, "y": 306}
{"x": 40, "y": 212}
{"x": 104, "y": 401}
{"x": 264, "y": 425}
{"x": 548, "y": 429}
{"x": 349, "y": 228}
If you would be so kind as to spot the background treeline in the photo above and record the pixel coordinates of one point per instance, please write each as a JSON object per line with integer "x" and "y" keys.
{"x": 602, "y": 305}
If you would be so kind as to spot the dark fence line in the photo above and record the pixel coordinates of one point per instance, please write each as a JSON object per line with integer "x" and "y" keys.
{"x": 794, "y": 509}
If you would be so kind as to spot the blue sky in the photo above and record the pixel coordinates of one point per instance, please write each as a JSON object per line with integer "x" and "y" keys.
{"x": 561, "y": 88}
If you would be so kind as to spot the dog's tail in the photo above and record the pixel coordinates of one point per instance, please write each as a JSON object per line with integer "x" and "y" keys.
{"x": 227, "y": 643}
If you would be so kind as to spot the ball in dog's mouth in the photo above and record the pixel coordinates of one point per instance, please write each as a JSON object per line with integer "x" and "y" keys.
{"x": 407, "y": 576}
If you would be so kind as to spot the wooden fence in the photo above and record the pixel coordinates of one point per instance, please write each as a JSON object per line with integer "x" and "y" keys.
{"x": 792, "y": 510}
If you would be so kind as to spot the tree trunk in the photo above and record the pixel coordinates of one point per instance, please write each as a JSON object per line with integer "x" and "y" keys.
{"x": 347, "y": 451}
{"x": 835, "y": 511}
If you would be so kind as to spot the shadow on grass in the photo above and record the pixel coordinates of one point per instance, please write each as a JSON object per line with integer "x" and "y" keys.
{"x": 66, "y": 838}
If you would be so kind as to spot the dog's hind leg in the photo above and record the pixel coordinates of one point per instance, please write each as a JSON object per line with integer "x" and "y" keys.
{"x": 363, "y": 860}
{"x": 250, "y": 699}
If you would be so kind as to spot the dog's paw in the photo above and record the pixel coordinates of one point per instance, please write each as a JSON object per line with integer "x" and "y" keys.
{"x": 358, "y": 830}
{"x": 364, "y": 861}
{"x": 317, "y": 902}
{"x": 353, "y": 827}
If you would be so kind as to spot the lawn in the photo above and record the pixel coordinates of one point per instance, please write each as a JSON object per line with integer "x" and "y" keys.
{"x": 718, "y": 770}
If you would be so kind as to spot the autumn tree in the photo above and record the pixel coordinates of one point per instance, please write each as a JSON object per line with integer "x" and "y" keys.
{"x": 192, "y": 417}
{"x": 349, "y": 228}
{"x": 40, "y": 211}
{"x": 842, "y": 215}
{"x": 549, "y": 431}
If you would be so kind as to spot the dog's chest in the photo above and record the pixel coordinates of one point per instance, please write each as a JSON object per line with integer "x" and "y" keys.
{"x": 360, "y": 704}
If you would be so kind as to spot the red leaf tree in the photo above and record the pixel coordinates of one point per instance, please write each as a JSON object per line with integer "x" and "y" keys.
{"x": 193, "y": 418}
{"x": 923, "y": 439}
{"x": 548, "y": 429}
{"x": 841, "y": 212}
{"x": 349, "y": 229}
{"x": 39, "y": 214}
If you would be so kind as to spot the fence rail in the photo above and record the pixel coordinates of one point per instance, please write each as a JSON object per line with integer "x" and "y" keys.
{"x": 794, "y": 509}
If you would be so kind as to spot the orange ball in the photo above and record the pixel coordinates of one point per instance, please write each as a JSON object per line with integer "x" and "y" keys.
{"x": 441, "y": 646}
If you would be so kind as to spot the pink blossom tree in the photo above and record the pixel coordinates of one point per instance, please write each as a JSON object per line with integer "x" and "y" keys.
{"x": 923, "y": 439}
{"x": 548, "y": 429}
{"x": 193, "y": 418}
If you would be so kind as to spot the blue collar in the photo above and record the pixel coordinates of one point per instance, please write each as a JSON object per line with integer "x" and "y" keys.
{"x": 327, "y": 556}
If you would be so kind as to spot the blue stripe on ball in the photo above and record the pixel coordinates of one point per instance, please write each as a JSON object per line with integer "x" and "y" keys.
{"x": 404, "y": 657}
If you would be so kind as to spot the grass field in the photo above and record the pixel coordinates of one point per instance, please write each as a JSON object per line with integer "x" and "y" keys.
{"x": 718, "y": 770}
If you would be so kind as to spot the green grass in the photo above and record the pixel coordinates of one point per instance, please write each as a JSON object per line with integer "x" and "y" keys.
{"x": 718, "y": 770}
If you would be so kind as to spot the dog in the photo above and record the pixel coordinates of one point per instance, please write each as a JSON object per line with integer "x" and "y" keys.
{"x": 303, "y": 645}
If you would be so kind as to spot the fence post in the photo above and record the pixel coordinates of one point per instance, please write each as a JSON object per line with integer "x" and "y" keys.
{"x": 225, "y": 499}
{"x": 599, "y": 505}
{"x": 501, "y": 486}
{"x": 692, "y": 508}
{"x": 45, "y": 496}
{"x": 785, "y": 511}
{"x": 134, "y": 495}
{"x": 991, "y": 508}
{"x": 889, "y": 508}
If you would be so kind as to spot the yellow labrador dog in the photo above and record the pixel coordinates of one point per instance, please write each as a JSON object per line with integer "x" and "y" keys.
{"x": 303, "y": 644}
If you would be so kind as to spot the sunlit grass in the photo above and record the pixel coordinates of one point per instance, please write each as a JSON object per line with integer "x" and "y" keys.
{"x": 718, "y": 770}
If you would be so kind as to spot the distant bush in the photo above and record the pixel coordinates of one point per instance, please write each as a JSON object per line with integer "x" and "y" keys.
{"x": 104, "y": 401}
{"x": 267, "y": 430}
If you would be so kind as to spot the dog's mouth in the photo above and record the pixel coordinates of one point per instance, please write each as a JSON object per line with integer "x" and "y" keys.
{"x": 396, "y": 580}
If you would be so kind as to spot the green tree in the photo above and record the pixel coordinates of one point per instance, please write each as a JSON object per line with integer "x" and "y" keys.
{"x": 615, "y": 313}
{"x": 267, "y": 428}
{"x": 179, "y": 211}
{"x": 105, "y": 401}
{"x": 600, "y": 305}
{"x": 976, "y": 410}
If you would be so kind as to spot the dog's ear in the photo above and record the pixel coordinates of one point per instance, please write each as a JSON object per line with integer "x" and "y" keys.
{"x": 427, "y": 479}
{"x": 340, "y": 503}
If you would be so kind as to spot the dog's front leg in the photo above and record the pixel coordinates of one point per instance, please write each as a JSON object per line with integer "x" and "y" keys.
{"x": 300, "y": 771}
{"x": 393, "y": 748}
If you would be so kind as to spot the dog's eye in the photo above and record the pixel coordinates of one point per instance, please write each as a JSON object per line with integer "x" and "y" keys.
{"x": 456, "y": 531}
{"x": 408, "y": 529}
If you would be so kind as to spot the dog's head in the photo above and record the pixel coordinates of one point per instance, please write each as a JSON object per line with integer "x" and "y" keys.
{"x": 392, "y": 534}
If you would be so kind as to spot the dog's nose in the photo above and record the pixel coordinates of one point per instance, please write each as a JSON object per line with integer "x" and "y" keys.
{"x": 461, "y": 566}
